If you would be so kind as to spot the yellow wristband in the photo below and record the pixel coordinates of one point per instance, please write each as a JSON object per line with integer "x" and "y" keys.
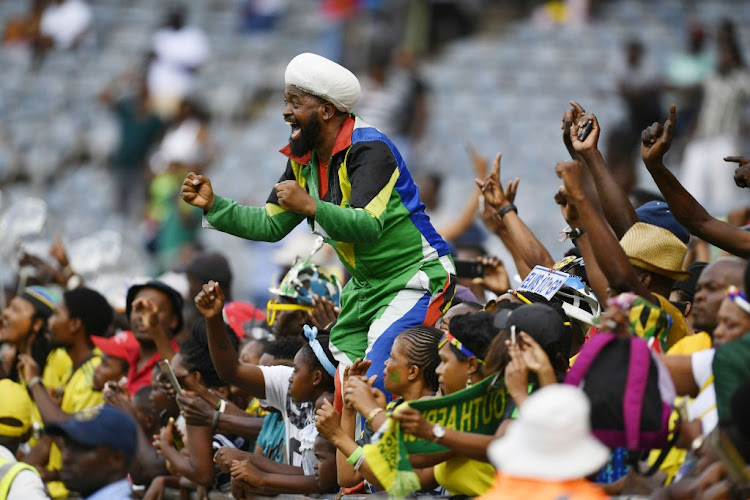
{"x": 372, "y": 415}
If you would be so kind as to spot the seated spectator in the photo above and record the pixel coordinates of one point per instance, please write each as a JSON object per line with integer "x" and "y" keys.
{"x": 99, "y": 444}
{"x": 65, "y": 22}
{"x": 462, "y": 352}
{"x": 82, "y": 313}
{"x": 290, "y": 390}
{"x": 409, "y": 374}
{"x": 18, "y": 481}
{"x": 549, "y": 451}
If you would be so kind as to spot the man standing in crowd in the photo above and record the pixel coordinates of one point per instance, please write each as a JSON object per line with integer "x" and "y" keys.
{"x": 100, "y": 443}
{"x": 18, "y": 481}
{"x": 351, "y": 184}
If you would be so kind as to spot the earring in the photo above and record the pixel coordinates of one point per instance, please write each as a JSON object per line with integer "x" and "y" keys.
{"x": 469, "y": 383}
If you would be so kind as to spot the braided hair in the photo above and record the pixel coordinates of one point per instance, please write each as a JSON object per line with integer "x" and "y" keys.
{"x": 423, "y": 352}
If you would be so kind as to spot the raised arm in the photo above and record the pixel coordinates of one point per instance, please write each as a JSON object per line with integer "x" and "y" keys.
{"x": 210, "y": 303}
{"x": 269, "y": 223}
{"x": 610, "y": 256}
{"x": 524, "y": 240}
{"x": 615, "y": 204}
{"x": 597, "y": 280}
{"x": 656, "y": 141}
{"x": 48, "y": 408}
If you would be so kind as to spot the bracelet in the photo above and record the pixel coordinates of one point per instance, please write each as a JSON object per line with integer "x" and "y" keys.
{"x": 35, "y": 380}
{"x": 576, "y": 232}
{"x": 355, "y": 456}
{"x": 359, "y": 462}
{"x": 221, "y": 406}
{"x": 215, "y": 423}
{"x": 507, "y": 208}
{"x": 372, "y": 415}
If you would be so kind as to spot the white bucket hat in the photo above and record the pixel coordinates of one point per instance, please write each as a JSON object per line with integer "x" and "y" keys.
{"x": 551, "y": 440}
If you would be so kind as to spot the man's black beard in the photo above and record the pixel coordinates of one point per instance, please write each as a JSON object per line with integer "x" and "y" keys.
{"x": 308, "y": 136}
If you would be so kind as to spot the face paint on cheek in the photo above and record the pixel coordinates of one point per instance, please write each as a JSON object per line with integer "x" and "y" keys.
{"x": 395, "y": 377}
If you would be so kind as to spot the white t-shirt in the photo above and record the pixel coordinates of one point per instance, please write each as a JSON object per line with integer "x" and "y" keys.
{"x": 703, "y": 407}
{"x": 296, "y": 416}
{"x": 64, "y": 23}
{"x": 27, "y": 485}
{"x": 178, "y": 53}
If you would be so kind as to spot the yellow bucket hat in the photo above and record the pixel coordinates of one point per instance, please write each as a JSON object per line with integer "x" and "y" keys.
{"x": 655, "y": 249}
{"x": 16, "y": 405}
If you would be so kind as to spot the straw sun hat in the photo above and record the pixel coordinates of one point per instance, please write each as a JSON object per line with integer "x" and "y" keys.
{"x": 655, "y": 249}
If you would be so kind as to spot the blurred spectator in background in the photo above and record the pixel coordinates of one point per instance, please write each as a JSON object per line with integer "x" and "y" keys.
{"x": 393, "y": 96}
{"x": 685, "y": 73}
{"x": 260, "y": 15}
{"x": 65, "y": 23}
{"x": 140, "y": 129}
{"x": 24, "y": 30}
{"x": 639, "y": 84}
{"x": 185, "y": 148}
{"x": 719, "y": 128}
{"x": 177, "y": 53}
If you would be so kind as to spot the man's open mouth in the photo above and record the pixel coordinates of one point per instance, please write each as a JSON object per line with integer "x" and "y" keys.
{"x": 296, "y": 131}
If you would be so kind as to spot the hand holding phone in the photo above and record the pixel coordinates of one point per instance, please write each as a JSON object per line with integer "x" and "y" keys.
{"x": 166, "y": 370}
{"x": 584, "y": 131}
{"x": 466, "y": 268}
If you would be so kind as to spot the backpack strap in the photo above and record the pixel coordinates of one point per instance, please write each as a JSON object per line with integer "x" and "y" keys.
{"x": 635, "y": 389}
{"x": 589, "y": 352}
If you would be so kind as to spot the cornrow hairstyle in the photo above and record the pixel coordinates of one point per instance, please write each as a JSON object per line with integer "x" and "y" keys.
{"x": 312, "y": 358}
{"x": 423, "y": 352}
{"x": 475, "y": 331}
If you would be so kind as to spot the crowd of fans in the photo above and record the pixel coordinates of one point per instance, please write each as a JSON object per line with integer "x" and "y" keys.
{"x": 416, "y": 366}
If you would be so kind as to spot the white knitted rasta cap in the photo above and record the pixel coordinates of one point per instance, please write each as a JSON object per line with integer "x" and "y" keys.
{"x": 324, "y": 78}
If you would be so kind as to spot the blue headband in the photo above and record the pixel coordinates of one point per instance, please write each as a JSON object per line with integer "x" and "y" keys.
{"x": 311, "y": 334}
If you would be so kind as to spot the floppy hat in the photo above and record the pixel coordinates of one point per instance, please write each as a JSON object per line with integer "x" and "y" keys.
{"x": 655, "y": 249}
{"x": 551, "y": 440}
{"x": 17, "y": 405}
{"x": 100, "y": 426}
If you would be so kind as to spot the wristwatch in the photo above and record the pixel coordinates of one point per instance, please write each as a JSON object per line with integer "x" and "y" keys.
{"x": 438, "y": 432}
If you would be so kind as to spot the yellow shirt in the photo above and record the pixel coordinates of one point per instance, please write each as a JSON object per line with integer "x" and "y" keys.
{"x": 692, "y": 343}
{"x": 463, "y": 476}
{"x": 57, "y": 370}
{"x": 676, "y": 456}
{"x": 679, "y": 328}
{"x": 78, "y": 395}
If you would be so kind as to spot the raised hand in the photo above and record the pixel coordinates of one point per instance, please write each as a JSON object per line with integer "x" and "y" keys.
{"x": 28, "y": 367}
{"x": 657, "y": 138}
{"x": 492, "y": 188}
{"x": 146, "y": 311}
{"x": 571, "y": 172}
{"x": 210, "y": 300}
{"x": 293, "y": 198}
{"x": 742, "y": 173}
{"x": 567, "y": 207}
{"x": 327, "y": 421}
{"x": 517, "y": 375}
{"x": 495, "y": 277}
{"x": 580, "y": 120}
{"x": 197, "y": 191}
{"x": 323, "y": 312}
